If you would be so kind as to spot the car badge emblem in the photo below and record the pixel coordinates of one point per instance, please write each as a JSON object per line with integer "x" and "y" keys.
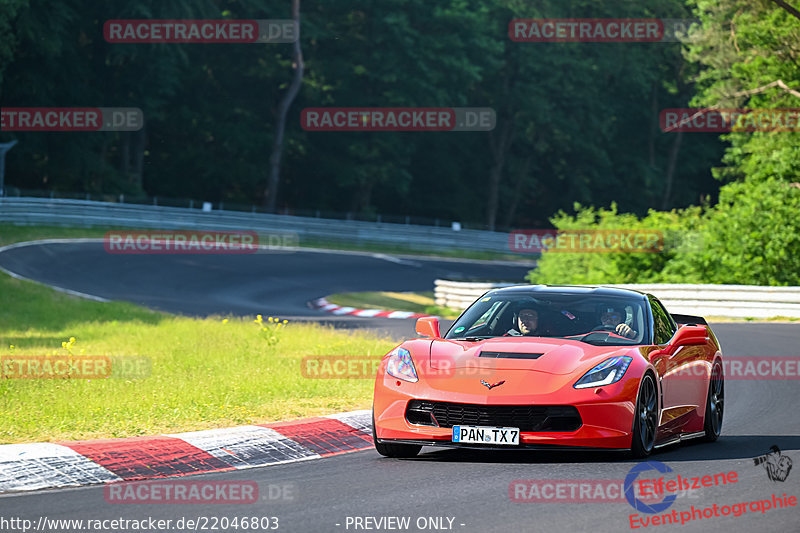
{"x": 490, "y": 386}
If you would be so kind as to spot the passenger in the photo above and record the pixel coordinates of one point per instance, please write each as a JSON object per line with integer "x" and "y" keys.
{"x": 611, "y": 319}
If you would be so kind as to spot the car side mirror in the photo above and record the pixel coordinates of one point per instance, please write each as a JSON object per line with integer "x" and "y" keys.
{"x": 690, "y": 336}
{"x": 428, "y": 327}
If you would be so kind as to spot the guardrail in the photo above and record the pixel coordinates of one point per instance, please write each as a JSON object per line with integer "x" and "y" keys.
{"x": 92, "y": 213}
{"x": 733, "y": 301}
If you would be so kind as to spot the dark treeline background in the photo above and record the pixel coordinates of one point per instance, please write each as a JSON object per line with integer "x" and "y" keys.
{"x": 577, "y": 122}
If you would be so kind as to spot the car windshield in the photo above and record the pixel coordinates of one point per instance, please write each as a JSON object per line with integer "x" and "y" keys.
{"x": 591, "y": 318}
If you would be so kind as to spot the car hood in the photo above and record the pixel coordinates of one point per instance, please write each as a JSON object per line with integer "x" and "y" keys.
{"x": 539, "y": 354}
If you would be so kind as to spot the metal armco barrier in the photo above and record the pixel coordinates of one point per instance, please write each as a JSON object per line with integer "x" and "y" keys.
{"x": 735, "y": 301}
{"x": 52, "y": 211}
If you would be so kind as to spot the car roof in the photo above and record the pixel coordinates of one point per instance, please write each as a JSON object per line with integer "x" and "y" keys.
{"x": 568, "y": 289}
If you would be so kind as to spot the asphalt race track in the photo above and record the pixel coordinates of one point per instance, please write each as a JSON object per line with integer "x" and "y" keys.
{"x": 471, "y": 488}
{"x": 272, "y": 283}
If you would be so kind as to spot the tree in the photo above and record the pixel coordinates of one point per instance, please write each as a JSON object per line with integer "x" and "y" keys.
{"x": 8, "y": 12}
{"x": 283, "y": 110}
{"x": 749, "y": 57}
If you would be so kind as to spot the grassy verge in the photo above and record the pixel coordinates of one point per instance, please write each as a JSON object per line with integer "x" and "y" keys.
{"x": 415, "y": 302}
{"x": 395, "y": 249}
{"x": 10, "y": 233}
{"x": 712, "y": 319}
{"x": 205, "y": 373}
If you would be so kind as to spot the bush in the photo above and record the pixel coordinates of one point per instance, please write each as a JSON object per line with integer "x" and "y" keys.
{"x": 751, "y": 237}
{"x": 680, "y": 230}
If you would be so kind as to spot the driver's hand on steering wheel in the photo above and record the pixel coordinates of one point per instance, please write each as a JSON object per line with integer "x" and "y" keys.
{"x": 625, "y": 330}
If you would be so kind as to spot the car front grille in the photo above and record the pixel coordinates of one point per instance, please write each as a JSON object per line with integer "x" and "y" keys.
{"x": 528, "y": 418}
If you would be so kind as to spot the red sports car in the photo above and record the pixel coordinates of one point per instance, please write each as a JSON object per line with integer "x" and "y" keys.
{"x": 545, "y": 366}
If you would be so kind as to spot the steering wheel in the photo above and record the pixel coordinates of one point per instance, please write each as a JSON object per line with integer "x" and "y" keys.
{"x": 606, "y": 328}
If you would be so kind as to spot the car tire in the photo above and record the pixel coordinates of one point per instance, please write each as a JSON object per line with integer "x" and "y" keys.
{"x": 715, "y": 403}
{"x": 393, "y": 450}
{"x": 645, "y": 419}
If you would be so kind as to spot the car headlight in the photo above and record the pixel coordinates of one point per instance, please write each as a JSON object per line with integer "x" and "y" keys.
{"x": 401, "y": 366}
{"x": 608, "y": 372}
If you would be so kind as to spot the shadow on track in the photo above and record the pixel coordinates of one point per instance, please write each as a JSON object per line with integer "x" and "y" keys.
{"x": 733, "y": 447}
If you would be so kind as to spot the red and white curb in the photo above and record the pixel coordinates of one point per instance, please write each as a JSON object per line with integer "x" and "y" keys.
{"x": 324, "y": 305}
{"x": 44, "y": 465}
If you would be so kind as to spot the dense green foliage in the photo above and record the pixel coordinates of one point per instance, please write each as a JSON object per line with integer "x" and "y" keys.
{"x": 681, "y": 237}
{"x": 576, "y": 121}
{"x": 744, "y": 46}
{"x": 752, "y": 236}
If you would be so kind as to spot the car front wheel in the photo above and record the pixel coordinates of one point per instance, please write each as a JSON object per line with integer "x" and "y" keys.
{"x": 645, "y": 419}
{"x": 393, "y": 450}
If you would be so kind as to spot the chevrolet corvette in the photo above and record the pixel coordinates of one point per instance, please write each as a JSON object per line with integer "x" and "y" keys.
{"x": 540, "y": 367}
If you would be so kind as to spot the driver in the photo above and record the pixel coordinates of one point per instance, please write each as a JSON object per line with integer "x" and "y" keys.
{"x": 526, "y": 323}
{"x": 611, "y": 319}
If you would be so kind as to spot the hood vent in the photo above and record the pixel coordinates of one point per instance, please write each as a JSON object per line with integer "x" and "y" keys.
{"x": 511, "y": 355}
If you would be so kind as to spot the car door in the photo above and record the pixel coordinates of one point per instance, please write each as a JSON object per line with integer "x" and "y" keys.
{"x": 683, "y": 390}
{"x": 664, "y": 329}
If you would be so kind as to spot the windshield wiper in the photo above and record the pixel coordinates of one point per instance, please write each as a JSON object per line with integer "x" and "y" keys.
{"x": 598, "y": 341}
{"x": 588, "y": 335}
{"x": 474, "y": 339}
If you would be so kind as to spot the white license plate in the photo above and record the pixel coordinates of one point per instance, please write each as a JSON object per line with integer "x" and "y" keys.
{"x": 485, "y": 435}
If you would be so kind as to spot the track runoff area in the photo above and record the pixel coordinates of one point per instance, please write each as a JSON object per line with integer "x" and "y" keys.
{"x": 743, "y": 481}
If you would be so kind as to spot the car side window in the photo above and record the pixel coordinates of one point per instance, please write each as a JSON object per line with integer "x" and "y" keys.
{"x": 484, "y": 319}
{"x": 663, "y": 325}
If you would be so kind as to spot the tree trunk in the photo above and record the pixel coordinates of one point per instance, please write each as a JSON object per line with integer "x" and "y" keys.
{"x": 140, "y": 138}
{"x": 789, "y": 9}
{"x": 125, "y": 155}
{"x": 500, "y": 140}
{"x": 523, "y": 174}
{"x": 673, "y": 160}
{"x": 271, "y": 194}
{"x": 499, "y": 146}
{"x": 362, "y": 197}
{"x": 653, "y": 126}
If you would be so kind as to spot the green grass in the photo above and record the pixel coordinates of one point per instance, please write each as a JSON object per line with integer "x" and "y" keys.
{"x": 419, "y": 302}
{"x": 396, "y": 249}
{"x": 10, "y": 233}
{"x": 751, "y": 319}
{"x": 205, "y": 373}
